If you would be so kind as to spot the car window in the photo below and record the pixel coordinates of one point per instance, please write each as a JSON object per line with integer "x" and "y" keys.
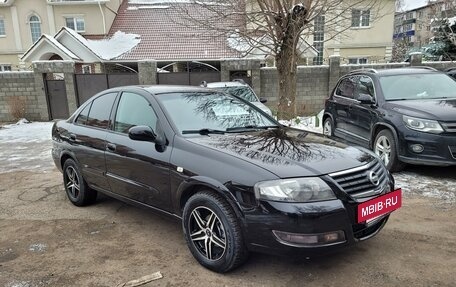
{"x": 417, "y": 86}
{"x": 84, "y": 115}
{"x": 347, "y": 87}
{"x": 101, "y": 110}
{"x": 211, "y": 110}
{"x": 366, "y": 86}
{"x": 241, "y": 91}
{"x": 134, "y": 110}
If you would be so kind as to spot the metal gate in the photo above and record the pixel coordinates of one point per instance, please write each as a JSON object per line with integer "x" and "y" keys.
{"x": 88, "y": 85}
{"x": 187, "y": 78}
{"x": 57, "y": 99}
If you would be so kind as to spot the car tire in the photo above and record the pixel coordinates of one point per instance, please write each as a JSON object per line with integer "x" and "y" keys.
{"x": 385, "y": 147}
{"x": 328, "y": 127}
{"x": 213, "y": 232}
{"x": 76, "y": 188}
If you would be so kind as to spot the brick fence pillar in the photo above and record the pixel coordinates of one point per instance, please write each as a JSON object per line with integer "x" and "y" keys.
{"x": 147, "y": 70}
{"x": 252, "y": 65}
{"x": 416, "y": 59}
{"x": 334, "y": 72}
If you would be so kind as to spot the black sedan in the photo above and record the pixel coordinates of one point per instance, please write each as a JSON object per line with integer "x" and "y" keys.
{"x": 237, "y": 179}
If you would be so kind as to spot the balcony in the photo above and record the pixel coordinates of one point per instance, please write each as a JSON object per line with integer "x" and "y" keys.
{"x": 76, "y": 2}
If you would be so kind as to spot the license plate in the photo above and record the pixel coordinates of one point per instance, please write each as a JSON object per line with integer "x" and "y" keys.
{"x": 374, "y": 208}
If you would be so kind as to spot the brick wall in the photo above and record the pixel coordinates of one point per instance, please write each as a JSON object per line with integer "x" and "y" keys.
{"x": 21, "y": 84}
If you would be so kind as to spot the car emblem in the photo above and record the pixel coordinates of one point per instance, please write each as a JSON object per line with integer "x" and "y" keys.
{"x": 373, "y": 177}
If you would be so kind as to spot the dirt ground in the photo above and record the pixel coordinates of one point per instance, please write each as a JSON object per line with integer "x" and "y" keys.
{"x": 46, "y": 241}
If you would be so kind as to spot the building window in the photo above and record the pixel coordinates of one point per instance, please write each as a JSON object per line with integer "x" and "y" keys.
{"x": 408, "y": 27}
{"x": 86, "y": 69}
{"x": 75, "y": 23}
{"x": 319, "y": 38}
{"x": 357, "y": 61}
{"x": 35, "y": 27}
{"x": 360, "y": 18}
{"x": 2, "y": 28}
{"x": 5, "y": 68}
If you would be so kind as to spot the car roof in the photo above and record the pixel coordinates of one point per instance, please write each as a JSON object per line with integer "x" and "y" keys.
{"x": 397, "y": 71}
{"x": 161, "y": 89}
{"x": 225, "y": 84}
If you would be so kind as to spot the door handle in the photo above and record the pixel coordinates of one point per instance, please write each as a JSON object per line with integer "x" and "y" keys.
{"x": 111, "y": 147}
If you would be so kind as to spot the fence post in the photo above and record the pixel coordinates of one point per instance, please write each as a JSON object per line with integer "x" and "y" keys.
{"x": 70, "y": 86}
{"x": 147, "y": 72}
{"x": 416, "y": 59}
{"x": 334, "y": 72}
{"x": 41, "y": 93}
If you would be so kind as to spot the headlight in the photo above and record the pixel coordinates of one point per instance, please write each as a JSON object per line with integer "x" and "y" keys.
{"x": 422, "y": 125}
{"x": 294, "y": 190}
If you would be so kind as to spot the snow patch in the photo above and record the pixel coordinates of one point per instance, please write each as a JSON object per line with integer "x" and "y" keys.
{"x": 26, "y": 147}
{"x": 310, "y": 124}
{"x": 107, "y": 49}
{"x": 419, "y": 184}
{"x": 38, "y": 247}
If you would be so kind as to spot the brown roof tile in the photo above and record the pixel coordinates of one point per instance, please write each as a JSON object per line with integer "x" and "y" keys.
{"x": 167, "y": 35}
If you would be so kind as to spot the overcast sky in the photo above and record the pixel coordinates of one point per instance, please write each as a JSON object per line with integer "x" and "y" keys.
{"x": 412, "y": 4}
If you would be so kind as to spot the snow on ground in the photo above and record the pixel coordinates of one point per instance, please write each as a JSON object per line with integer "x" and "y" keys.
{"x": 26, "y": 146}
{"x": 310, "y": 124}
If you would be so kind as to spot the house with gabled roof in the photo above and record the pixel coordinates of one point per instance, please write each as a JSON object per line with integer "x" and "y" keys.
{"x": 22, "y": 22}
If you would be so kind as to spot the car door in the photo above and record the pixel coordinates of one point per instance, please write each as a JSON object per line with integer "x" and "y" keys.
{"x": 363, "y": 115}
{"x": 88, "y": 139}
{"x": 137, "y": 170}
{"x": 343, "y": 100}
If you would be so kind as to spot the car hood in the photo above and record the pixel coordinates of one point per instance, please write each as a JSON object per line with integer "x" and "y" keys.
{"x": 288, "y": 152}
{"x": 443, "y": 109}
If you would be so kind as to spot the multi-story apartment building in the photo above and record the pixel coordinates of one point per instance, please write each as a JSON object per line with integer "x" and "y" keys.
{"x": 414, "y": 26}
{"x": 22, "y": 22}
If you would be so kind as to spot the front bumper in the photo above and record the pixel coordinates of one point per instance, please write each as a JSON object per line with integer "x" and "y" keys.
{"x": 439, "y": 149}
{"x": 306, "y": 218}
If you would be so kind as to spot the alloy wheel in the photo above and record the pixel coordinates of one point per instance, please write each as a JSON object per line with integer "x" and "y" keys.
{"x": 327, "y": 128}
{"x": 383, "y": 149}
{"x": 72, "y": 182}
{"x": 207, "y": 233}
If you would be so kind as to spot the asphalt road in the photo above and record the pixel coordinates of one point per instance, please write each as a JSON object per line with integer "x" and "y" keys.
{"x": 46, "y": 241}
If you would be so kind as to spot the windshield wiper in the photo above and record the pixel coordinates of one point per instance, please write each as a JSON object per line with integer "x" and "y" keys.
{"x": 250, "y": 127}
{"x": 204, "y": 131}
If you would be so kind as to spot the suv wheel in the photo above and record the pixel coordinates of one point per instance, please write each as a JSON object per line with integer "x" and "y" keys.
{"x": 76, "y": 188}
{"x": 385, "y": 148}
{"x": 328, "y": 127}
{"x": 213, "y": 233}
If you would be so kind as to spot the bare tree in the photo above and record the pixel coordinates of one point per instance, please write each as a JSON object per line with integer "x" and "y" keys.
{"x": 280, "y": 28}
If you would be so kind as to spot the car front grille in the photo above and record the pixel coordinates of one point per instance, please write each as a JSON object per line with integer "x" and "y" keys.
{"x": 360, "y": 182}
{"x": 449, "y": 126}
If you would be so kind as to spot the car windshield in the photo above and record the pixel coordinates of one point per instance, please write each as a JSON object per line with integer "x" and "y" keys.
{"x": 212, "y": 112}
{"x": 241, "y": 91}
{"x": 417, "y": 87}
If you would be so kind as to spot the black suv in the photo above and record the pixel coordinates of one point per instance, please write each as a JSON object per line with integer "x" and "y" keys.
{"x": 405, "y": 115}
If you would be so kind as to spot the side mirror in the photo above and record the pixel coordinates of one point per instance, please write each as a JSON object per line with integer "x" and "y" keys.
{"x": 263, "y": 100}
{"x": 142, "y": 133}
{"x": 365, "y": 99}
